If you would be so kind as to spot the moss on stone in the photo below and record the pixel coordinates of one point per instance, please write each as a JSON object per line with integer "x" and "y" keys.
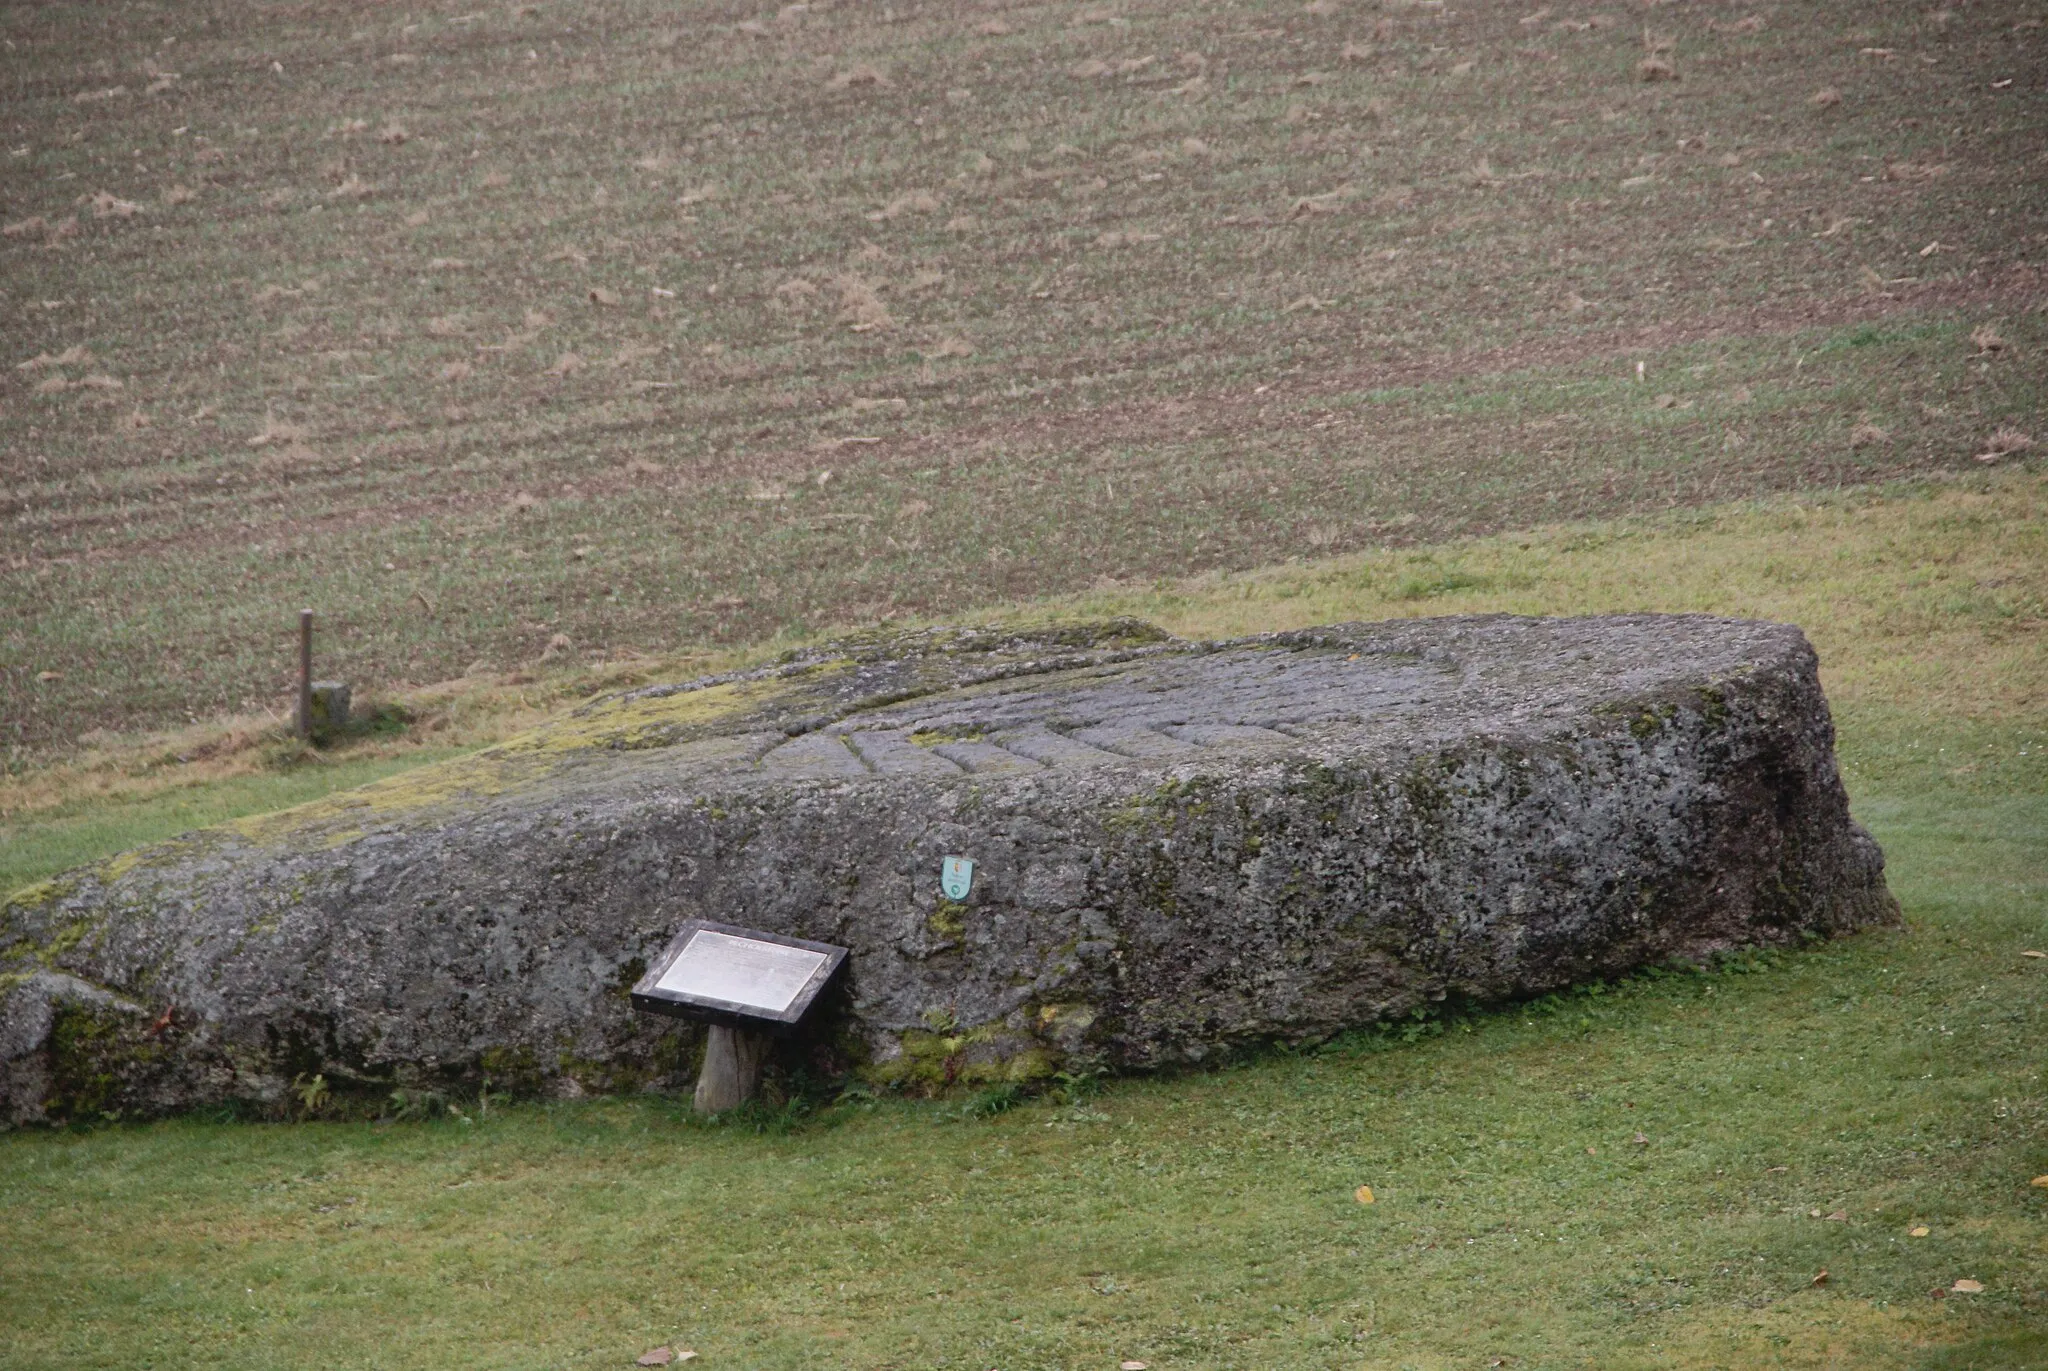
{"x": 514, "y": 1069}
{"x": 63, "y": 940}
{"x": 948, "y": 920}
{"x": 42, "y": 894}
{"x": 1714, "y": 705}
{"x": 96, "y": 1057}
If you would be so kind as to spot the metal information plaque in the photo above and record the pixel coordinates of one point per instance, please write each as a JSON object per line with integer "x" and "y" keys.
{"x": 737, "y": 976}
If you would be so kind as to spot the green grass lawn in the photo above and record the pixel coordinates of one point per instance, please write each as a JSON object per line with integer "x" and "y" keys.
{"x": 61, "y": 837}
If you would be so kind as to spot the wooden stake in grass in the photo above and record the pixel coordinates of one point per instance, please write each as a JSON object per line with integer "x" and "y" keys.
{"x": 305, "y": 713}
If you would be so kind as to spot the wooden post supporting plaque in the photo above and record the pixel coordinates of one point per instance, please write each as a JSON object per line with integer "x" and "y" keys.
{"x": 732, "y": 1068}
{"x": 750, "y": 987}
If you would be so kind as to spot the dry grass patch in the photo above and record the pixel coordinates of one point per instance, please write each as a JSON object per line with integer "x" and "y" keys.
{"x": 2005, "y": 442}
{"x": 860, "y": 304}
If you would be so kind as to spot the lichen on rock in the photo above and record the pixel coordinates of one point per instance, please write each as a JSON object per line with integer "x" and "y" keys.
{"x": 1180, "y": 847}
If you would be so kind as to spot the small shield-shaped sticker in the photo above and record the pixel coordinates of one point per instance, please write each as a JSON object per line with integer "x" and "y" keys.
{"x": 956, "y": 877}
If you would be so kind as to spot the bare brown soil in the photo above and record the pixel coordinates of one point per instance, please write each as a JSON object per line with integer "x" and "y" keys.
{"x": 479, "y": 330}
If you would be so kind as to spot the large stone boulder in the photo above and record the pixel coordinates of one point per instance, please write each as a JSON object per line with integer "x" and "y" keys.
{"x": 1179, "y": 847}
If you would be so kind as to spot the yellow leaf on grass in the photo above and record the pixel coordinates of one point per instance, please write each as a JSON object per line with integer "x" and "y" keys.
{"x": 1968, "y": 1287}
{"x": 1920, "y": 1232}
{"x": 1363, "y": 1194}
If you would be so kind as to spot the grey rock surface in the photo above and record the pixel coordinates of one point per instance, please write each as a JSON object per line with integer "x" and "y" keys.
{"x": 1180, "y": 847}
{"x": 327, "y": 708}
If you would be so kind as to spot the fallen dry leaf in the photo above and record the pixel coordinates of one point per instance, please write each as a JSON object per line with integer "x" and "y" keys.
{"x": 47, "y": 676}
{"x": 1919, "y": 1232}
{"x": 2031, "y": 953}
{"x": 655, "y": 1356}
{"x": 861, "y": 75}
{"x": 2004, "y": 443}
{"x": 106, "y": 205}
{"x": 1363, "y": 1194}
{"x": 1821, "y": 1278}
{"x": 1987, "y": 340}
{"x": 1968, "y": 1287}
{"x": 1132, "y": 1365}
{"x": 914, "y": 202}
